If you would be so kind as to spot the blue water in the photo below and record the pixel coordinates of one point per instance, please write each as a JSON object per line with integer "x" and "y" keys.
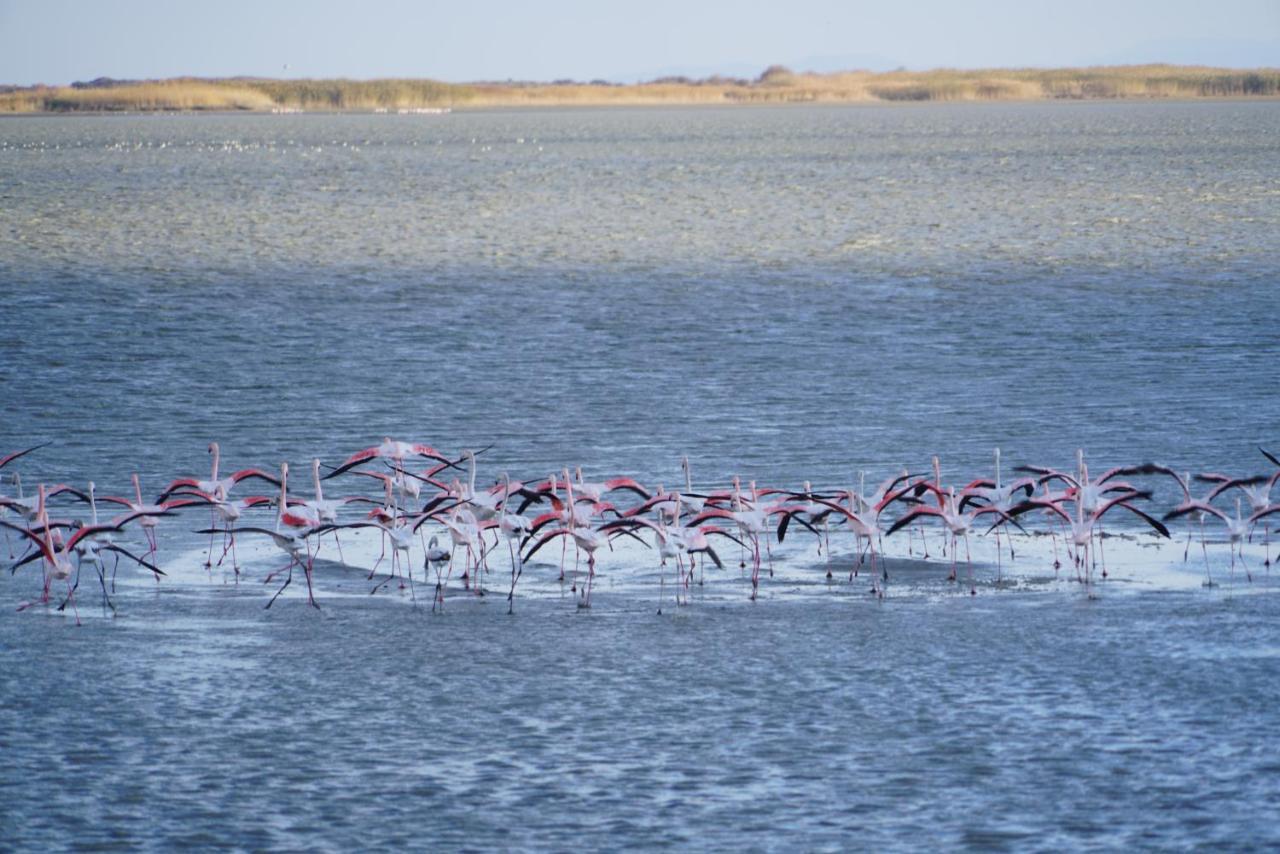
{"x": 782, "y": 294}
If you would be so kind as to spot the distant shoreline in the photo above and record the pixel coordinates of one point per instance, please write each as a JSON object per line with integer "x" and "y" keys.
{"x": 776, "y": 85}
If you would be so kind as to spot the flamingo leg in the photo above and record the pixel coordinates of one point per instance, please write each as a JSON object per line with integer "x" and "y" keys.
{"x": 517, "y": 569}
{"x": 999, "y": 575}
{"x": 71, "y": 588}
{"x": 662, "y": 583}
{"x": 447, "y": 578}
{"x": 408, "y": 568}
{"x": 879, "y": 571}
{"x": 1102, "y": 553}
{"x": 208, "y": 558}
{"x": 573, "y": 581}
{"x": 311, "y": 597}
{"x": 952, "y": 576}
{"x": 591, "y": 575}
{"x": 288, "y": 579}
{"x": 102, "y": 579}
{"x": 755, "y": 566}
{"x": 382, "y": 554}
{"x": 973, "y": 588}
{"x": 71, "y": 597}
{"x": 1208, "y": 579}
{"x": 226, "y": 545}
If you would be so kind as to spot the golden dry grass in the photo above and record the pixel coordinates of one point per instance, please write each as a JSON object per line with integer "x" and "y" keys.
{"x": 158, "y": 95}
{"x": 776, "y": 85}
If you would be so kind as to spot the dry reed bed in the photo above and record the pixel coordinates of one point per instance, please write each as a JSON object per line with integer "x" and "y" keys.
{"x": 775, "y": 85}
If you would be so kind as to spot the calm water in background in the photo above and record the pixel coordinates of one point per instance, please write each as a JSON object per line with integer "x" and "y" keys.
{"x": 779, "y": 293}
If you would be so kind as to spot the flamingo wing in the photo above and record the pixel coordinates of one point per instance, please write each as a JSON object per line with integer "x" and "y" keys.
{"x": 1004, "y": 518}
{"x": 709, "y": 513}
{"x": 182, "y": 483}
{"x": 1045, "y": 474}
{"x": 1034, "y": 503}
{"x": 1264, "y": 512}
{"x": 38, "y": 540}
{"x": 1192, "y": 507}
{"x": 712, "y": 530}
{"x": 143, "y": 563}
{"x": 256, "y": 474}
{"x": 352, "y": 461}
{"x": 5, "y": 460}
{"x": 1150, "y": 520}
{"x": 911, "y": 515}
{"x": 628, "y": 484}
{"x": 789, "y": 513}
{"x": 542, "y": 541}
{"x": 1230, "y": 483}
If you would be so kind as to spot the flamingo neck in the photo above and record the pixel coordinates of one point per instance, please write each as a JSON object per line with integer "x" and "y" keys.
{"x": 284, "y": 494}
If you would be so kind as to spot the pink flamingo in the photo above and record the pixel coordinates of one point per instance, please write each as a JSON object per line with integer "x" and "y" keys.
{"x": 958, "y": 523}
{"x": 396, "y": 452}
{"x": 1257, "y": 491}
{"x": 217, "y": 487}
{"x": 1237, "y": 529}
{"x": 149, "y": 514}
{"x": 1084, "y": 522}
{"x": 999, "y": 495}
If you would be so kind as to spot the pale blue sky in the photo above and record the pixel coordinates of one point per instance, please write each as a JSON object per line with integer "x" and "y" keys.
{"x": 57, "y": 41}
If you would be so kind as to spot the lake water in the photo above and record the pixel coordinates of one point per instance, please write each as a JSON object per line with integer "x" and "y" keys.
{"x": 779, "y": 293}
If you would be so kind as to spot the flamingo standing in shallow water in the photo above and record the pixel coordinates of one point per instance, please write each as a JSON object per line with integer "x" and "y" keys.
{"x": 957, "y": 522}
{"x": 515, "y": 529}
{"x": 1257, "y": 491}
{"x": 1083, "y": 523}
{"x": 998, "y": 495}
{"x": 294, "y": 544}
{"x": 1237, "y": 529}
{"x": 149, "y": 514}
{"x": 217, "y": 487}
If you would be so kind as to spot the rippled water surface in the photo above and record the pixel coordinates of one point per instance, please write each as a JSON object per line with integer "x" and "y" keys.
{"x": 784, "y": 294}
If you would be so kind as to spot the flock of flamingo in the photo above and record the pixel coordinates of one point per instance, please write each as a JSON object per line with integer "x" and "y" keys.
{"x": 428, "y": 498}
